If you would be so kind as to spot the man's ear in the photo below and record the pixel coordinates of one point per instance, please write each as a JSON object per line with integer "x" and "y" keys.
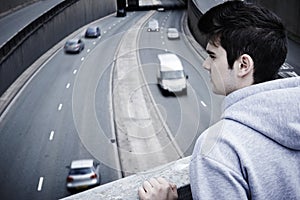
{"x": 246, "y": 65}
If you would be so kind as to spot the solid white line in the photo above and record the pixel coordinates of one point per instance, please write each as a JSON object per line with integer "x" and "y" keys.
{"x": 51, "y": 135}
{"x": 203, "y": 104}
{"x": 60, "y": 107}
{"x": 40, "y": 185}
{"x": 75, "y": 71}
{"x": 68, "y": 85}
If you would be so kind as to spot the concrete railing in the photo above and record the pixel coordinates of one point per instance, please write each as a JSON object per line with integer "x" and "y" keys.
{"x": 127, "y": 188}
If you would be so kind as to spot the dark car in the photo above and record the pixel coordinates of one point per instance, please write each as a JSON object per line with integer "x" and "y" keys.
{"x": 92, "y": 32}
{"x": 74, "y": 46}
{"x": 121, "y": 12}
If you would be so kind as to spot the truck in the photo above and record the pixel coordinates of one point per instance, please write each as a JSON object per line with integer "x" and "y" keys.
{"x": 171, "y": 76}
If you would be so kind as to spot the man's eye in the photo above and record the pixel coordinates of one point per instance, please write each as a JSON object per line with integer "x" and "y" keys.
{"x": 212, "y": 56}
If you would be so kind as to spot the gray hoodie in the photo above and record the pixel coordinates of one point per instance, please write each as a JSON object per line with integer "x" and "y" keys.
{"x": 253, "y": 152}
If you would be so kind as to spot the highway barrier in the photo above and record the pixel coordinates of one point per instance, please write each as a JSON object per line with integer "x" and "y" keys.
{"x": 26, "y": 46}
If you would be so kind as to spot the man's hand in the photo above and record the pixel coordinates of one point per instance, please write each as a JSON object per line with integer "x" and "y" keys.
{"x": 158, "y": 189}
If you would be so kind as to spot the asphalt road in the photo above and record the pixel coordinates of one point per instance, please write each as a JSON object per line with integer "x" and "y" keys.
{"x": 186, "y": 115}
{"x": 64, "y": 111}
{"x": 42, "y": 132}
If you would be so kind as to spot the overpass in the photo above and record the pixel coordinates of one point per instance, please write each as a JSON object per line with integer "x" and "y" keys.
{"x": 181, "y": 165}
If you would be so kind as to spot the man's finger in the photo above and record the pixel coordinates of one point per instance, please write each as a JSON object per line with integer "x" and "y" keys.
{"x": 147, "y": 186}
{"x": 161, "y": 180}
{"x": 154, "y": 182}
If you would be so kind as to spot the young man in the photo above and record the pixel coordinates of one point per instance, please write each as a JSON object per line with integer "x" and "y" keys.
{"x": 253, "y": 152}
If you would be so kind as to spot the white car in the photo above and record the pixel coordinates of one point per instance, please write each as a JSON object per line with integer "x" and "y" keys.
{"x": 153, "y": 25}
{"x": 83, "y": 174}
{"x": 173, "y": 33}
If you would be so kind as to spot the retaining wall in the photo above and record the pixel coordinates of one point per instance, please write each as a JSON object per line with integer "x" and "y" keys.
{"x": 40, "y": 35}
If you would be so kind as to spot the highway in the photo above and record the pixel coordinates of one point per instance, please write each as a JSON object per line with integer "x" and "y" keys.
{"x": 64, "y": 111}
{"x": 39, "y": 135}
{"x": 50, "y": 122}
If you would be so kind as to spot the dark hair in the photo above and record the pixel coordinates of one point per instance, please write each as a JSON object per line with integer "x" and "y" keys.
{"x": 243, "y": 28}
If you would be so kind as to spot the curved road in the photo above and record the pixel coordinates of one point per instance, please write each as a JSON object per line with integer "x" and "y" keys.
{"x": 39, "y": 135}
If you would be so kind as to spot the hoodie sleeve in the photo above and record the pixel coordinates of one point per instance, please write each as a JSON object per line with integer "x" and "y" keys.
{"x": 212, "y": 174}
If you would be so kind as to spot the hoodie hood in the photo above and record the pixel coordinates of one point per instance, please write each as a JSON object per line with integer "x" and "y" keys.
{"x": 271, "y": 108}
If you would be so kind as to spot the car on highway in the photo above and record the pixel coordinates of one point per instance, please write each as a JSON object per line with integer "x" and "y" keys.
{"x": 171, "y": 77}
{"x": 172, "y": 33}
{"x": 286, "y": 70}
{"x": 121, "y": 12}
{"x": 153, "y": 25}
{"x": 75, "y": 45}
{"x": 161, "y": 9}
{"x": 83, "y": 174}
{"x": 92, "y": 32}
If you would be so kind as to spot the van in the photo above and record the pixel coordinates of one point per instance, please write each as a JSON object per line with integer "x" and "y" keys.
{"x": 153, "y": 25}
{"x": 170, "y": 75}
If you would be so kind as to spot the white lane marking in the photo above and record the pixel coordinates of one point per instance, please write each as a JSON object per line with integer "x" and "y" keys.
{"x": 94, "y": 43}
{"x": 104, "y": 32}
{"x": 51, "y": 135}
{"x": 59, "y": 107}
{"x": 88, "y": 50}
{"x": 75, "y": 71}
{"x": 82, "y": 59}
{"x": 163, "y": 43}
{"x": 40, "y": 185}
{"x": 68, "y": 85}
{"x": 203, "y": 104}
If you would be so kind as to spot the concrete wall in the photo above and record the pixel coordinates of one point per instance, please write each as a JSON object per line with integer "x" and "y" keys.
{"x": 43, "y": 33}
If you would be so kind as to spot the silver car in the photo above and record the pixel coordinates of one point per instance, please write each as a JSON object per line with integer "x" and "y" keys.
{"x": 83, "y": 174}
{"x": 74, "y": 46}
{"x": 172, "y": 33}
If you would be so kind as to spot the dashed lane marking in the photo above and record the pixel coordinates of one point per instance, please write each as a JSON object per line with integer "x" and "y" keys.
{"x": 51, "y": 136}
{"x": 59, "y": 107}
{"x": 40, "y": 185}
{"x": 203, "y": 104}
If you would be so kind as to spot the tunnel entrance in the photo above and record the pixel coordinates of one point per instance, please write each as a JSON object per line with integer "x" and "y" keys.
{"x": 135, "y": 5}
